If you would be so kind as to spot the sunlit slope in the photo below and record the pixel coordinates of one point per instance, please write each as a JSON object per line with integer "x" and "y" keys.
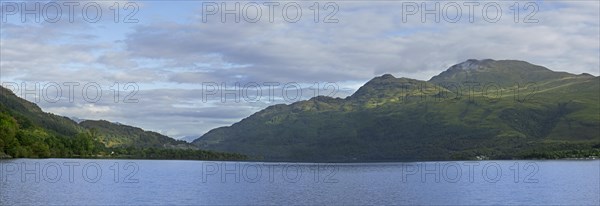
{"x": 503, "y": 109}
{"x": 115, "y": 135}
{"x": 27, "y": 131}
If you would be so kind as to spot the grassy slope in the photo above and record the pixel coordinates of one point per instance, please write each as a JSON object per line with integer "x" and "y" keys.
{"x": 402, "y": 119}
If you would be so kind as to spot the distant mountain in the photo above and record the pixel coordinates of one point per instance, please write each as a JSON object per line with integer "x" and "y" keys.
{"x": 76, "y": 119}
{"x": 499, "y": 109}
{"x": 189, "y": 138}
{"x": 116, "y": 134}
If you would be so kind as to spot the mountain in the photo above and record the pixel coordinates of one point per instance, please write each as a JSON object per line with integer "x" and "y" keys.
{"x": 116, "y": 134}
{"x": 499, "y": 109}
{"x": 27, "y": 131}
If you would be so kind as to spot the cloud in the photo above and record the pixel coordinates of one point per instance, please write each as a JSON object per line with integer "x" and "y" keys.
{"x": 367, "y": 43}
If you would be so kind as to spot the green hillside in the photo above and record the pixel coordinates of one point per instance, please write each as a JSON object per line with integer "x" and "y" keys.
{"x": 498, "y": 109}
{"x": 29, "y": 114}
{"x": 115, "y": 135}
{"x": 27, "y": 131}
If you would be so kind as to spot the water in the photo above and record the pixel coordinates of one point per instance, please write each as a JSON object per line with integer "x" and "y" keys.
{"x": 149, "y": 182}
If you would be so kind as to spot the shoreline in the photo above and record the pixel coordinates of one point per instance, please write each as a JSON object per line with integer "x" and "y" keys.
{"x": 301, "y": 162}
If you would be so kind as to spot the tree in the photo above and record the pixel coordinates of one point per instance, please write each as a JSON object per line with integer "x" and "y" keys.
{"x": 8, "y": 132}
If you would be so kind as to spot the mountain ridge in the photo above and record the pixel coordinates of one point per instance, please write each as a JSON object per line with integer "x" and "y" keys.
{"x": 389, "y": 119}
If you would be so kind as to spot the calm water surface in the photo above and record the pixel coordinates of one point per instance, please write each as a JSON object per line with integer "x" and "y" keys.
{"x": 151, "y": 182}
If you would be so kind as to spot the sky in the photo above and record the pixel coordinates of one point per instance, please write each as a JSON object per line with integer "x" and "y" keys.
{"x": 181, "y": 69}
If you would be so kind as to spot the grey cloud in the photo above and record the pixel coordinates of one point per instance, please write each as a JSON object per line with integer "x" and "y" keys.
{"x": 359, "y": 47}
